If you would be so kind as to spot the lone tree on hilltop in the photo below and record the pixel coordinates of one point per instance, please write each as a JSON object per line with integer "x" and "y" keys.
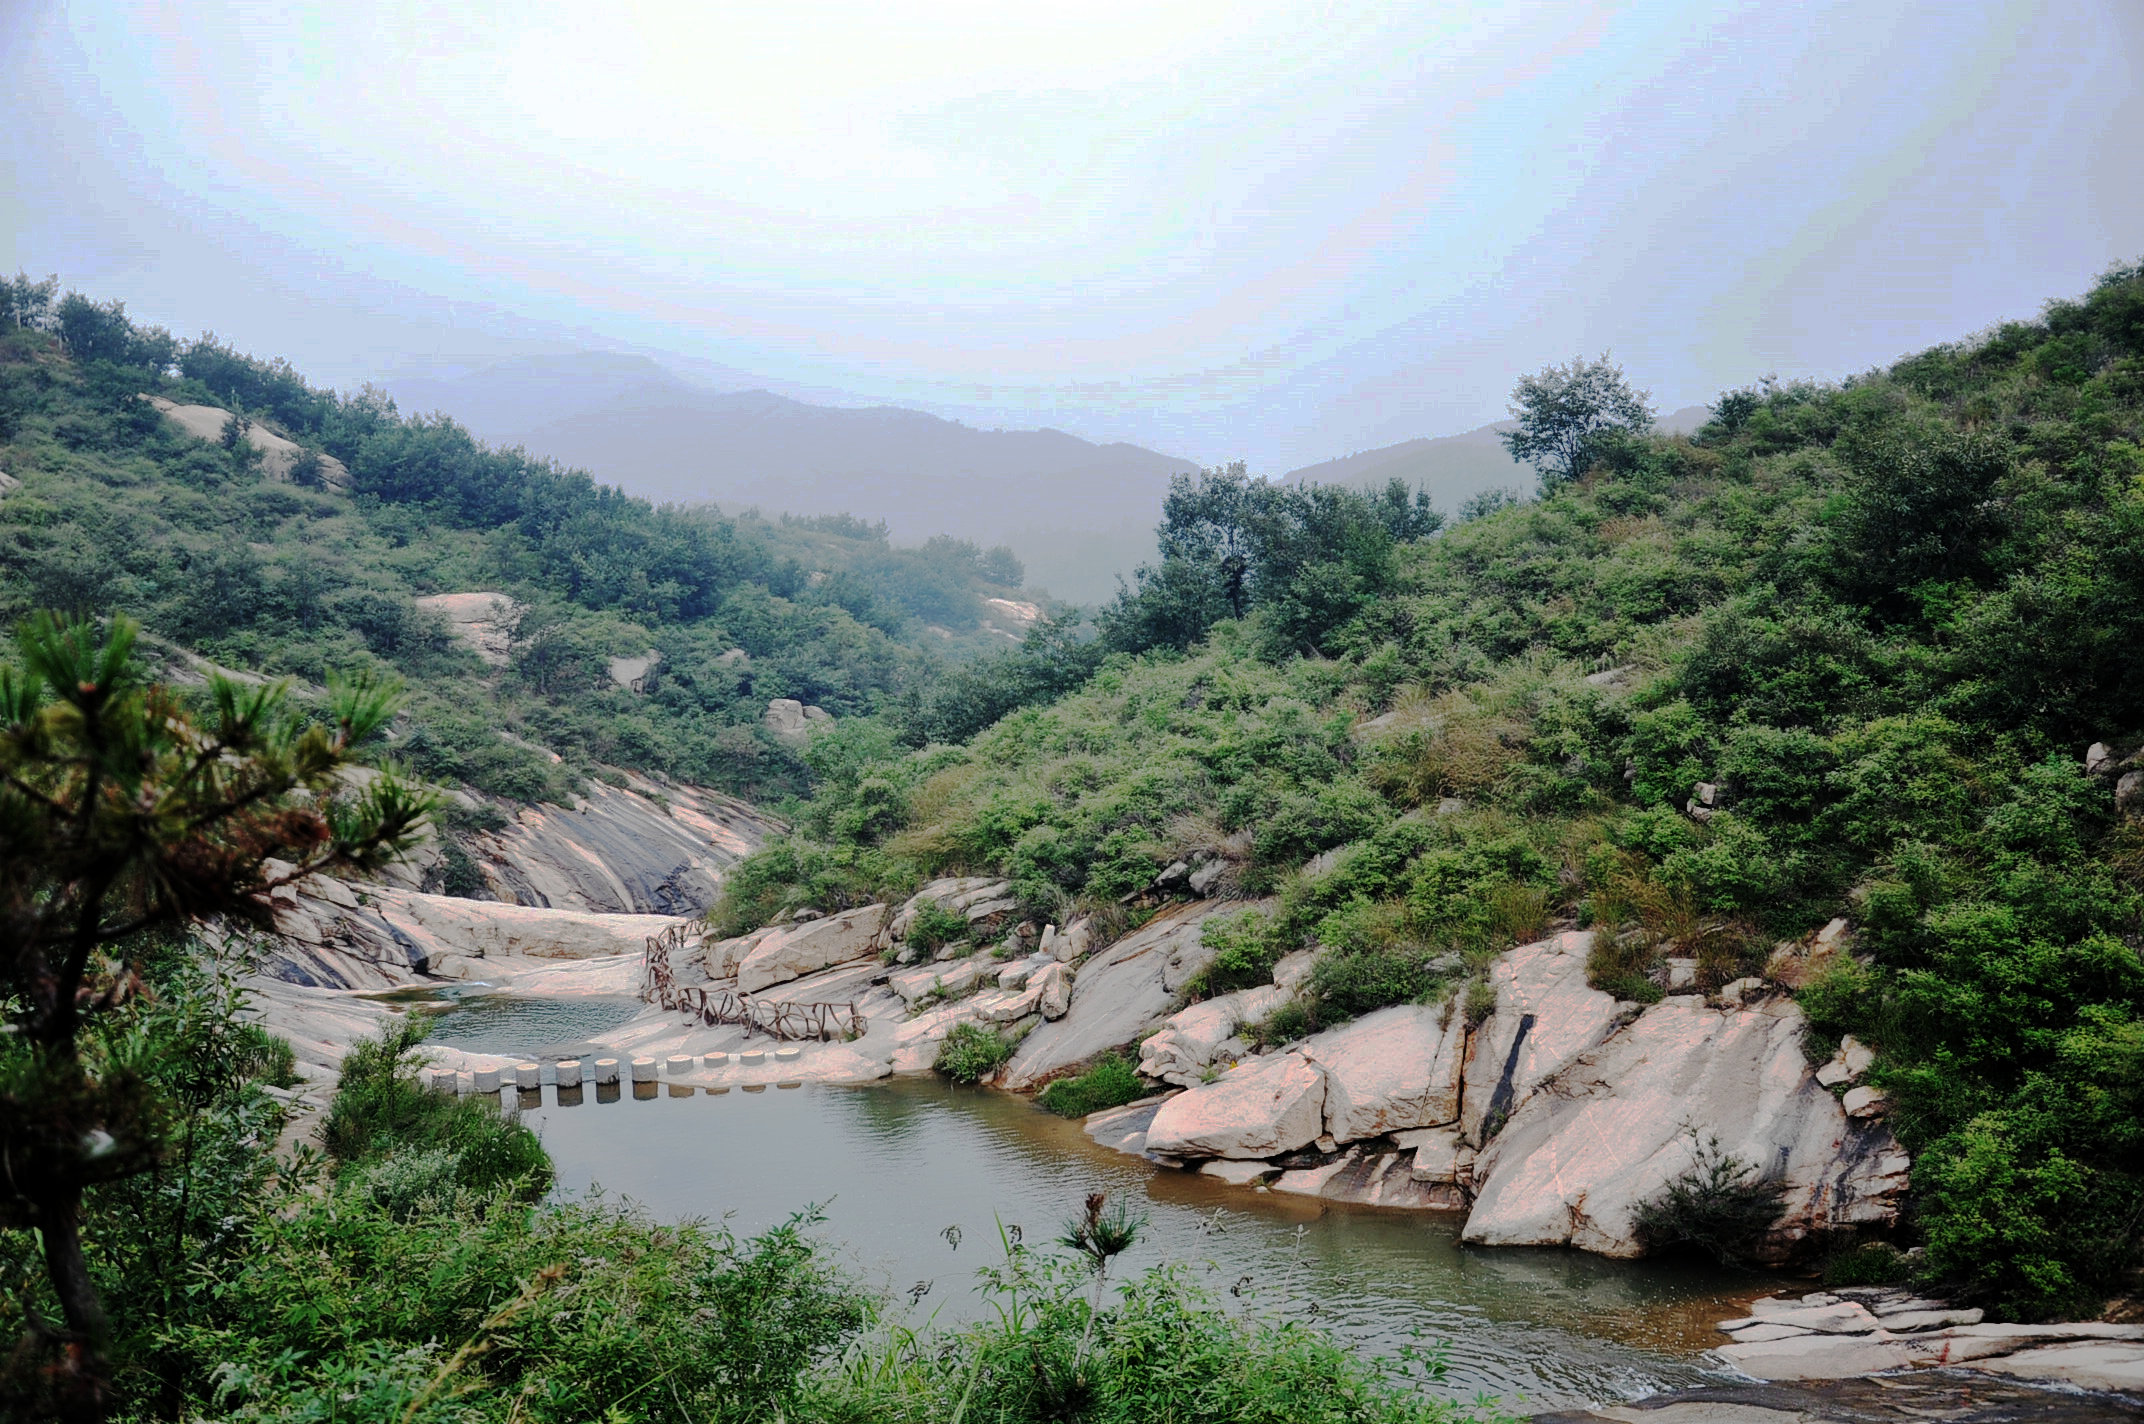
{"x": 1563, "y": 410}
{"x": 122, "y": 811}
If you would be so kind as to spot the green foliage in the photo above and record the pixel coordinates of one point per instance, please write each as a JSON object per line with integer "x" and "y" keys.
{"x": 1868, "y": 1263}
{"x": 380, "y": 1112}
{"x": 1111, "y": 1082}
{"x": 294, "y": 576}
{"x": 1880, "y": 621}
{"x": 934, "y": 926}
{"x": 1565, "y": 412}
{"x": 1309, "y": 559}
{"x": 1718, "y": 1205}
{"x": 1163, "y": 1348}
{"x": 971, "y": 1052}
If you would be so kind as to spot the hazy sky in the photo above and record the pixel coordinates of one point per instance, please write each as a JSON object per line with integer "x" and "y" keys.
{"x": 1281, "y": 231}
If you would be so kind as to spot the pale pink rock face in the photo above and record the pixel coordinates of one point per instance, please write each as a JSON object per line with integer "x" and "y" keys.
{"x": 1184, "y": 1048}
{"x": 1546, "y": 1016}
{"x": 1120, "y": 993}
{"x": 1262, "y": 1108}
{"x": 1576, "y": 1159}
{"x": 814, "y": 945}
{"x": 1391, "y": 1070}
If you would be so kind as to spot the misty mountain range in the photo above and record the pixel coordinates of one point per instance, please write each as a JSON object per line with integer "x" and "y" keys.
{"x": 1078, "y": 514}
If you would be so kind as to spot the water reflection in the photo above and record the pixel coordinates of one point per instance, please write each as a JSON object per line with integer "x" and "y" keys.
{"x": 906, "y": 1171}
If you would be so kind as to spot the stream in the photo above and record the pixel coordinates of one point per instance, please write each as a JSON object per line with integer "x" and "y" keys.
{"x": 893, "y": 1165}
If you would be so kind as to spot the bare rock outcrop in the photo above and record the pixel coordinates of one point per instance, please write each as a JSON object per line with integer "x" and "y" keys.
{"x": 482, "y": 622}
{"x": 792, "y": 721}
{"x": 655, "y": 852}
{"x": 280, "y": 458}
{"x": 1186, "y": 1048}
{"x": 648, "y": 847}
{"x": 1121, "y": 992}
{"x": 1546, "y": 1016}
{"x": 1616, "y": 1126}
{"x": 797, "y": 950}
{"x": 1391, "y": 1070}
{"x": 333, "y": 934}
{"x": 1260, "y": 1108}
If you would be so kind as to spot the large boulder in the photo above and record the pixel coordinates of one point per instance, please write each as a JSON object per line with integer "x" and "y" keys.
{"x": 792, "y": 721}
{"x": 1546, "y": 1016}
{"x": 1612, "y": 1129}
{"x": 1391, "y": 1070}
{"x": 1122, "y": 992}
{"x": 979, "y": 899}
{"x": 722, "y": 956}
{"x": 803, "y": 949}
{"x": 1185, "y": 1048}
{"x": 1260, "y": 1108}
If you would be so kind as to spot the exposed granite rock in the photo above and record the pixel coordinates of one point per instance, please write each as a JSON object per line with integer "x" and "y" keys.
{"x": 812, "y": 946}
{"x": 1546, "y": 1016}
{"x": 1121, "y": 992}
{"x": 1925, "y": 1397}
{"x": 1391, "y": 1070}
{"x": 623, "y": 850}
{"x": 1864, "y": 1329}
{"x": 1259, "y": 1108}
{"x": 278, "y": 455}
{"x": 482, "y": 622}
{"x": 1613, "y": 1128}
{"x": 1185, "y": 1048}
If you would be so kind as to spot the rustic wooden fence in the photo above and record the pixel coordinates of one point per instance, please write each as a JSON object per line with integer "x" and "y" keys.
{"x": 658, "y": 985}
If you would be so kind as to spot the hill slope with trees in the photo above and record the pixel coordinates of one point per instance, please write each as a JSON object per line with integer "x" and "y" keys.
{"x": 113, "y": 506}
{"x": 1863, "y": 650}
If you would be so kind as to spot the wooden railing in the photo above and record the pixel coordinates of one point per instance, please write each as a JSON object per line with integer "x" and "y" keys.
{"x": 658, "y": 985}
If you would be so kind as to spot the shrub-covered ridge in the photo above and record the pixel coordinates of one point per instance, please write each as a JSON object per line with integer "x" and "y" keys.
{"x": 1842, "y": 651}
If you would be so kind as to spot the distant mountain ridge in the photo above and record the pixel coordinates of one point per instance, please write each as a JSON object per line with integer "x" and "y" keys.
{"x": 1453, "y": 468}
{"x": 1077, "y": 513}
{"x": 629, "y": 421}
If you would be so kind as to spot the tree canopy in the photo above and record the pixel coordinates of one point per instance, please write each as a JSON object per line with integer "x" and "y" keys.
{"x": 1563, "y": 411}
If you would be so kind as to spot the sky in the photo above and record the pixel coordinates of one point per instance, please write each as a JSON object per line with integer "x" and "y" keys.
{"x": 1272, "y": 231}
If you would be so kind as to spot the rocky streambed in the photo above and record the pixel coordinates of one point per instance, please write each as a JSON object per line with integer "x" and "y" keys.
{"x": 1543, "y": 1120}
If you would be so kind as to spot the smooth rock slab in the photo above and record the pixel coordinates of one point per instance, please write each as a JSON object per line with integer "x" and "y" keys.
{"x": 1816, "y": 1357}
{"x": 1391, "y": 1070}
{"x": 1615, "y": 1127}
{"x": 1121, "y": 992}
{"x": 802, "y": 949}
{"x": 1259, "y": 1109}
{"x": 1546, "y": 1016}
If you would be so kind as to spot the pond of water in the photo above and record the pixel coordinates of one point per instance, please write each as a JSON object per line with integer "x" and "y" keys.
{"x": 893, "y": 1165}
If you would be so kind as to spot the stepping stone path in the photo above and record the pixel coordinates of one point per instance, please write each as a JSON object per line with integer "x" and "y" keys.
{"x": 1865, "y": 1330}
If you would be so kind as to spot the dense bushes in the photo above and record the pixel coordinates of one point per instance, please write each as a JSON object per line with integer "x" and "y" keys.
{"x": 1110, "y": 1083}
{"x": 410, "y": 1141}
{"x": 122, "y": 510}
{"x": 1839, "y": 653}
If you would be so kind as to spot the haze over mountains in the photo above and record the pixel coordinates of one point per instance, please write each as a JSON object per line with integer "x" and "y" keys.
{"x": 1077, "y": 513}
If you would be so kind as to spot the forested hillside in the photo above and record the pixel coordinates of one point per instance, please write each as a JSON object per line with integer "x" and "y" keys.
{"x": 1866, "y": 650}
{"x": 110, "y": 505}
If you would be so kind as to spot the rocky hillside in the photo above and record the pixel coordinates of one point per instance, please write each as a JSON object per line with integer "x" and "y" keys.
{"x": 1830, "y": 701}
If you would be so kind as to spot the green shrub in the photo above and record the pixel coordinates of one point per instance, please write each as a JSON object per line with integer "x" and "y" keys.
{"x": 934, "y": 926}
{"x": 1110, "y": 1083}
{"x": 1246, "y": 949}
{"x": 1868, "y": 1263}
{"x": 972, "y": 1052}
{"x": 1718, "y": 1205}
{"x": 380, "y": 1110}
